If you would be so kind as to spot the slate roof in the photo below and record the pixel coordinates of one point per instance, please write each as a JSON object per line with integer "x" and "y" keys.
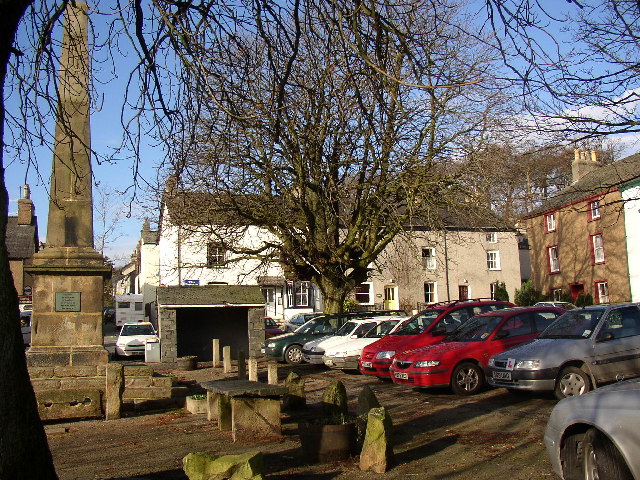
{"x": 22, "y": 240}
{"x": 602, "y": 179}
{"x": 208, "y": 295}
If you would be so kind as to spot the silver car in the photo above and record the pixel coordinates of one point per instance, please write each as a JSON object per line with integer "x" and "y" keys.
{"x": 579, "y": 351}
{"x": 597, "y": 436}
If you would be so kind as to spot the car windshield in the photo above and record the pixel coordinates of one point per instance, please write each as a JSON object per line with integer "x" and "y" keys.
{"x": 418, "y": 323}
{"x": 307, "y": 327}
{"x": 573, "y": 324}
{"x": 129, "y": 330}
{"x": 270, "y": 322}
{"x": 381, "y": 329}
{"x": 346, "y": 329}
{"x": 475, "y": 330}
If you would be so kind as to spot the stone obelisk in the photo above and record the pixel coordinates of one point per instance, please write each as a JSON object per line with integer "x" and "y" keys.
{"x": 68, "y": 273}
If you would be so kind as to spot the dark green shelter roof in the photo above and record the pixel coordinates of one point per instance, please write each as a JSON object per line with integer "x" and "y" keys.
{"x": 210, "y": 296}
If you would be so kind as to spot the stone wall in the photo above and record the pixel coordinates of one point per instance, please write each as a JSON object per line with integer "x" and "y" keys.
{"x": 256, "y": 331}
{"x": 167, "y": 332}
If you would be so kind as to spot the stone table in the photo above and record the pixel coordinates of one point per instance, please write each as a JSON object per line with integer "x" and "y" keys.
{"x": 247, "y": 408}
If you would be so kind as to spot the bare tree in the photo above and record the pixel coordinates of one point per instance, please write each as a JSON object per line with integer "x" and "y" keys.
{"x": 577, "y": 63}
{"x": 333, "y": 129}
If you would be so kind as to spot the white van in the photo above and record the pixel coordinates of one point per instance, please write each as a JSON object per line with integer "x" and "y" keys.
{"x": 129, "y": 308}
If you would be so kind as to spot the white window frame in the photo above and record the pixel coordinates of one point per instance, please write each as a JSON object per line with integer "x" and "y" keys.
{"x": 554, "y": 259}
{"x": 302, "y": 294}
{"x": 556, "y": 294}
{"x": 218, "y": 258}
{"x": 602, "y": 291}
{"x": 594, "y": 209}
{"x": 492, "y": 290}
{"x": 433, "y": 292}
{"x": 369, "y": 293}
{"x": 492, "y": 237}
{"x": 550, "y": 219}
{"x": 493, "y": 259}
{"x": 597, "y": 244}
{"x": 429, "y": 258}
{"x": 290, "y": 295}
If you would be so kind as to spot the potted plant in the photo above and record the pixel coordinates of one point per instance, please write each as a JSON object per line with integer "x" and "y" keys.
{"x": 332, "y": 435}
{"x": 197, "y": 403}
{"x": 187, "y": 363}
{"x": 326, "y": 439}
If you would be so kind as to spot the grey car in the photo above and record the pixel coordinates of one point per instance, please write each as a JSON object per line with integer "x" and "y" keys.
{"x": 581, "y": 350}
{"x": 597, "y": 436}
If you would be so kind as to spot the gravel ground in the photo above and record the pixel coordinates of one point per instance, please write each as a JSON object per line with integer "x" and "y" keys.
{"x": 437, "y": 435}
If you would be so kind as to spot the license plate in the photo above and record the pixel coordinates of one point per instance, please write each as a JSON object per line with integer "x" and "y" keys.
{"x": 401, "y": 375}
{"x": 502, "y": 375}
{"x": 367, "y": 364}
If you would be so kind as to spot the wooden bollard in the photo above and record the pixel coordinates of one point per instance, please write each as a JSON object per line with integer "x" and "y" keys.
{"x": 253, "y": 369}
{"x": 242, "y": 366}
{"x": 226, "y": 359}
{"x": 215, "y": 345}
{"x": 272, "y": 373}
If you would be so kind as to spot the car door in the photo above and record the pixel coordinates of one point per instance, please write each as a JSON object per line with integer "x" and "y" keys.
{"x": 617, "y": 345}
{"x": 515, "y": 330}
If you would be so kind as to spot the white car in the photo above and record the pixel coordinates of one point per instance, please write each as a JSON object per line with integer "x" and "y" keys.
{"x": 345, "y": 355}
{"x": 133, "y": 337}
{"x": 313, "y": 351}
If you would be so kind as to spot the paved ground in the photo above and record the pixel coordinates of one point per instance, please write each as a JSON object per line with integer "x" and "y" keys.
{"x": 437, "y": 435}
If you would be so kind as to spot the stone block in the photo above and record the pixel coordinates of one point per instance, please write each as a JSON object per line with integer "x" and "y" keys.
{"x": 145, "y": 393}
{"x": 254, "y": 417}
{"x": 60, "y": 404}
{"x": 47, "y": 359}
{"x": 295, "y": 398}
{"x": 165, "y": 382}
{"x": 45, "y": 384}
{"x": 334, "y": 399}
{"x": 82, "y": 383}
{"x": 98, "y": 357}
{"x": 40, "y": 372}
{"x": 212, "y": 406}
{"x": 367, "y": 400}
{"x": 137, "y": 371}
{"x": 113, "y": 390}
{"x": 79, "y": 371}
{"x": 377, "y": 451}
{"x": 223, "y": 413}
{"x": 202, "y": 466}
{"x": 138, "y": 382}
{"x": 272, "y": 373}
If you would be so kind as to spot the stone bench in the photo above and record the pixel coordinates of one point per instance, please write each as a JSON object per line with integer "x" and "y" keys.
{"x": 248, "y": 409}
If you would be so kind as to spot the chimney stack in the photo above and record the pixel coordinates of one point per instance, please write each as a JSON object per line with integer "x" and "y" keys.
{"x": 25, "y": 207}
{"x": 583, "y": 163}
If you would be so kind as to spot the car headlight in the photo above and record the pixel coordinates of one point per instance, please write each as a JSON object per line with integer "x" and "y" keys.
{"x": 492, "y": 362}
{"x": 386, "y": 354}
{"x": 271, "y": 345}
{"x": 528, "y": 364}
{"x": 427, "y": 363}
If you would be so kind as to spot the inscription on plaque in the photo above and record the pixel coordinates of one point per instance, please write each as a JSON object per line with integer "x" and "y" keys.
{"x": 67, "y": 301}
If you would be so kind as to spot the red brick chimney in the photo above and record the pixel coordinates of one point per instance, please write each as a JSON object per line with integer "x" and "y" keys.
{"x": 583, "y": 163}
{"x": 25, "y": 207}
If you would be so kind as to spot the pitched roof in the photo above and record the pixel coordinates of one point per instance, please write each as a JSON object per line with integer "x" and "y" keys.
{"x": 606, "y": 178}
{"x": 22, "y": 240}
{"x": 210, "y": 295}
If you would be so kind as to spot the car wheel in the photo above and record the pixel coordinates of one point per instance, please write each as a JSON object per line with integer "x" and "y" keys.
{"x": 571, "y": 457}
{"x": 571, "y": 381}
{"x": 467, "y": 379}
{"x": 293, "y": 354}
{"x": 601, "y": 459}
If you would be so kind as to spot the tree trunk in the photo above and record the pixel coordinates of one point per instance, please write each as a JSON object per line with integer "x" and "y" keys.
{"x": 24, "y": 452}
{"x": 333, "y": 294}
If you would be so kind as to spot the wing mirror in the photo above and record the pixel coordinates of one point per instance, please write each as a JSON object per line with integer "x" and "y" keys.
{"x": 605, "y": 337}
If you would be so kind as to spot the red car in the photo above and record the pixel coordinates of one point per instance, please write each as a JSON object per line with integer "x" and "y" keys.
{"x": 461, "y": 359}
{"x": 425, "y": 328}
{"x": 271, "y": 328}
